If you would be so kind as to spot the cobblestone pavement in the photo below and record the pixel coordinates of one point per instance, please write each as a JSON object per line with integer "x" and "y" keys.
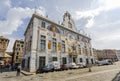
{"x": 99, "y": 73}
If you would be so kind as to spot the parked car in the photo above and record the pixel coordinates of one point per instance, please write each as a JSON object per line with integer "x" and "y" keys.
{"x": 52, "y": 66}
{"x": 56, "y": 65}
{"x": 73, "y": 66}
{"x": 47, "y": 68}
{"x": 64, "y": 67}
{"x": 104, "y": 62}
{"x": 82, "y": 65}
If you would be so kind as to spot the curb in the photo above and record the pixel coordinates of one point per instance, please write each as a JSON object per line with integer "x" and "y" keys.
{"x": 27, "y": 73}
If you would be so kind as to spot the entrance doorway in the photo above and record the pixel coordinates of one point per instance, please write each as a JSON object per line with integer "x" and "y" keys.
{"x": 54, "y": 58}
{"x": 64, "y": 60}
{"x": 74, "y": 59}
{"x": 28, "y": 66}
{"x": 41, "y": 62}
{"x": 87, "y": 61}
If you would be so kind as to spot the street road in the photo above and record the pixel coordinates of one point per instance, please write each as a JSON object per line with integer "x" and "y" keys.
{"x": 99, "y": 73}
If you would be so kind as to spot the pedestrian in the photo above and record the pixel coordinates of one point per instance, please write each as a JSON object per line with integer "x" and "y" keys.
{"x": 1, "y": 69}
{"x": 18, "y": 70}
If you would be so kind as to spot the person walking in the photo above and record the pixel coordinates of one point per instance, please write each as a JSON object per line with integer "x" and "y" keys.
{"x": 18, "y": 70}
{"x": 1, "y": 67}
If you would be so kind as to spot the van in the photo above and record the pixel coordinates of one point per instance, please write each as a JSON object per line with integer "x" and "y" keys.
{"x": 82, "y": 65}
{"x": 52, "y": 66}
{"x": 104, "y": 62}
{"x": 55, "y": 64}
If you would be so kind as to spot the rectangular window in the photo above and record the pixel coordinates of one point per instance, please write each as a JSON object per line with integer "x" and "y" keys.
{"x": 21, "y": 45}
{"x": 43, "y": 42}
{"x": 17, "y": 53}
{"x": 54, "y": 58}
{"x": 18, "y": 45}
{"x": 63, "y": 46}
{"x": 79, "y": 49}
{"x": 63, "y": 31}
{"x": 16, "y": 57}
{"x": 81, "y": 60}
{"x": 54, "y": 45}
{"x": 85, "y": 50}
{"x": 43, "y": 24}
{"x": 64, "y": 60}
{"x": 69, "y": 25}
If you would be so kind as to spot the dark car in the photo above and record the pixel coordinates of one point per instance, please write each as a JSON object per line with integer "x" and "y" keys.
{"x": 64, "y": 67}
{"x": 48, "y": 68}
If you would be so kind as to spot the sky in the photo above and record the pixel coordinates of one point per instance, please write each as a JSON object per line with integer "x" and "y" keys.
{"x": 100, "y": 19}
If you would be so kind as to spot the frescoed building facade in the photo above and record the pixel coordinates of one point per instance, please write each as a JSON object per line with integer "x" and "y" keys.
{"x": 47, "y": 41}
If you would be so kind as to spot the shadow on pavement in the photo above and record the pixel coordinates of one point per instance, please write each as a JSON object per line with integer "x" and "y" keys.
{"x": 9, "y": 76}
{"x": 117, "y": 77}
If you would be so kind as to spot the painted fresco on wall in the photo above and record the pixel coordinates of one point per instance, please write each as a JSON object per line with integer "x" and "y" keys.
{"x": 69, "y": 50}
{"x": 84, "y": 39}
{"x": 49, "y": 45}
{"x": 83, "y": 51}
{"x": 0, "y": 45}
{"x": 54, "y": 29}
{"x": 59, "y": 46}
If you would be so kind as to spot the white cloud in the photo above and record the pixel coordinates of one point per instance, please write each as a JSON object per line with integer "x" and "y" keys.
{"x": 105, "y": 5}
{"x": 90, "y": 23}
{"x": 86, "y": 14}
{"x": 109, "y": 4}
{"x": 109, "y": 38}
{"x": 107, "y": 42}
{"x": 11, "y": 43}
{"x": 14, "y": 18}
{"x": 4, "y": 6}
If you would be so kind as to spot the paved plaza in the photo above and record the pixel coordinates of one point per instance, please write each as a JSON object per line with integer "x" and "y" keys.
{"x": 99, "y": 73}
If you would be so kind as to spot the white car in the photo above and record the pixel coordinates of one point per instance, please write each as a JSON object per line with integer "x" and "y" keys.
{"x": 73, "y": 66}
{"x": 55, "y": 64}
{"x": 104, "y": 62}
{"x": 82, "y": 65}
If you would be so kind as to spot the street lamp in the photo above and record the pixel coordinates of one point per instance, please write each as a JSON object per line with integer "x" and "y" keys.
{"x": 73, "y": 49}
{"x": 88, "y": 56}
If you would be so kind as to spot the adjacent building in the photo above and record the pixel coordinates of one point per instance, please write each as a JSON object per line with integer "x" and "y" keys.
{"x": 105, "y": 54}
{"x": 118, "y": 54}
{"x": 4, "y": 57}
{"x": 47, "y": 41}
{"x": 18, "y": 51}
{"x": 95, "y": 54}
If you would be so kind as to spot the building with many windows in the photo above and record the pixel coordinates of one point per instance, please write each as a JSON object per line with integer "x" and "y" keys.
{"x": 47, "y": 41}
{"x": 4, "y": 57}
{"x": 106, "y": 54}
{"x": 18, "y": 51}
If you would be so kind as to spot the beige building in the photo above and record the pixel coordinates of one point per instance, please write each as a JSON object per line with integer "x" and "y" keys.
{"x": 95, "y": 54}
{"x": 118, "y": 54}
{"x": 3, "y": 47}
{"x": 18, "y": 51}
{"x": 47, "y": 41}
{"x": 105, "y": 54}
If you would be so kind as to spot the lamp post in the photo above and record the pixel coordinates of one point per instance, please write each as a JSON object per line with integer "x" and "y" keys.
{"x": 73, "y": 48}
{"x": 89, "y": 64}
